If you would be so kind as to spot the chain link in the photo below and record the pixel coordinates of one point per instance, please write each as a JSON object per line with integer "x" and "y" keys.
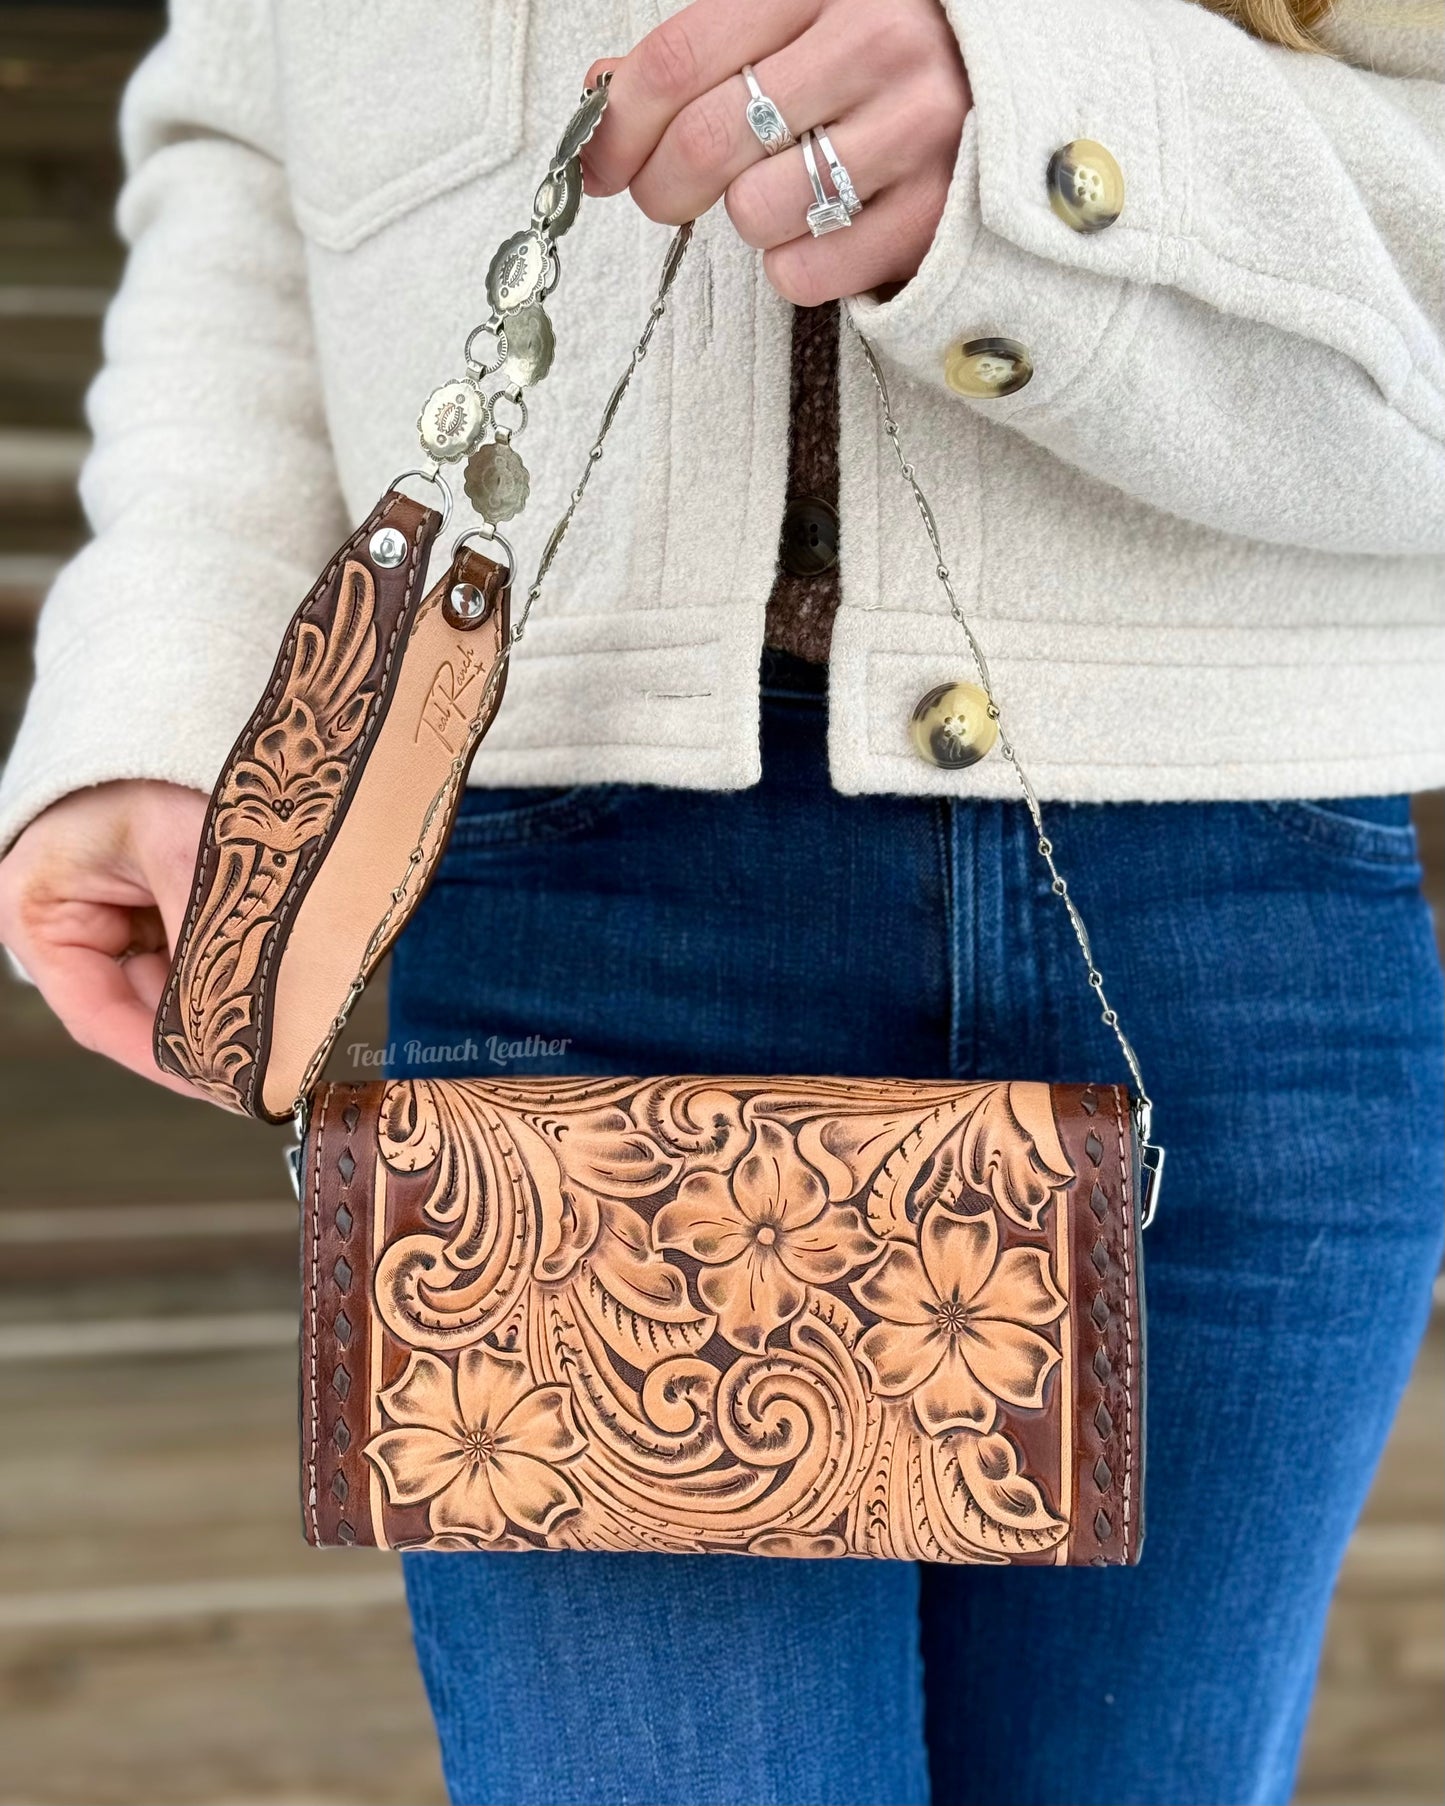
{"x": 1058, "y": 884}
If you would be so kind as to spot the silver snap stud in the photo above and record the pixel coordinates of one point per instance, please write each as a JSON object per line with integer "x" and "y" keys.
{"x": 388, "y": 548}
{"x": 466, "y": 605}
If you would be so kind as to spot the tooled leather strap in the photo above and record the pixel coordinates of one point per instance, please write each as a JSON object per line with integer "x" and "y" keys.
{"x": 387, "y": 849}
{"x": 251, "y": 989}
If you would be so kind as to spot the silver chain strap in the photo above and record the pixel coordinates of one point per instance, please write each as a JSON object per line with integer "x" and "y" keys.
{"x": 1152, "y": 1154}
{"x": 1057, "y": 882}
{"x": 584, "y": 122}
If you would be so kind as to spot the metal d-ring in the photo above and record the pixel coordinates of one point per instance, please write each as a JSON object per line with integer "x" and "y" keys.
{"x": 488, "y": 532}
{"x": 499, "y": 332}
{"x": 428, "y": 476}
{"x": 512, "y": 393}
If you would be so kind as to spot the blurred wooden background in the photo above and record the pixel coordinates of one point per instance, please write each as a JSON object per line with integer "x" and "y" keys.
{"x": 164, "y": 1634}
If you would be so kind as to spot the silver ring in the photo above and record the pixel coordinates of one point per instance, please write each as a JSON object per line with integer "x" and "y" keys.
{"x": 512, "y": 393}
{"x": 498, "y": 330}
{"x": 428, "y": 476}
{"x": 842, "y": 181}
{"x": 488, "y": 532}
{"x": 769, "y": 127}
{"x": 827, "y": 212}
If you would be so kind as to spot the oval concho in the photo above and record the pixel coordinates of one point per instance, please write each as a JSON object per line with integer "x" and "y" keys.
{"x": 558, "y": 196}
{"x": 531, "y": 344}
{"x": 453, "y": 420}
{"x": 581, "y": 125}
{"x": 517, "y": 270}
{"x": 497, "y": 482}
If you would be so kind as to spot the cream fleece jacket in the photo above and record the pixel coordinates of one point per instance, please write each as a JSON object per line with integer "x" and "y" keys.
{"x": 1204, "y": 548}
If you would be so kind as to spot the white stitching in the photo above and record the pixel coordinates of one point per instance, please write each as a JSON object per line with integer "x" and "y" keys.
{"x": 1128, "y": 1321}
{"x": 311, "y": 1325}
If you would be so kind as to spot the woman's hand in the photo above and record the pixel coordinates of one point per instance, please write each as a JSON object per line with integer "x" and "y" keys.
{"x": 92, "y": 895}
{"x": 884, "y": 78}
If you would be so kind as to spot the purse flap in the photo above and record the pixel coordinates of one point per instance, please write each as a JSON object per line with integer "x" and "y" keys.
{"x": 332, "y": 810}
{"x": 785, "y": 1316}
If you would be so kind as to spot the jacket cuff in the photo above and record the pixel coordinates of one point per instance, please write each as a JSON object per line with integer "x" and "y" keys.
{"x": 1002, "y": 262}
{"x": 1235, "y": 195}
{"x": 975, "y": 283}
{"x": 1045, "y": 72}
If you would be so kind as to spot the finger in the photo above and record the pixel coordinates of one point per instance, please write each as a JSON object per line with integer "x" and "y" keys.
{"x": 147, "y": 932}
{"x": 590, "y": 184}
{"x": 147, "y": 975}
{"x": 166, "y": 855}
{"x": 818, "y": 78}
{"x": 767, "y": 203}
{"x": 595, "y": 71}
{"x": 84, "y": 914}
{"x": 168, "y": 841}
{"x": 95, "y": 1000}
{"x": 886, "y": 243}
{"x": 679, "y": 60}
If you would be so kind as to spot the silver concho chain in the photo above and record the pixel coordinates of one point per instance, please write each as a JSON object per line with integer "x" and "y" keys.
{"x": 461, "y": 419}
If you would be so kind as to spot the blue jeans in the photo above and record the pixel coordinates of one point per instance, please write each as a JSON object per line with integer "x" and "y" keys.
{"x": 1276, "y": 967}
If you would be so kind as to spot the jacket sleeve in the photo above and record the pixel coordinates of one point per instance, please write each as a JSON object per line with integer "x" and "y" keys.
{"x": 210, "y": 486}
{"x": 1255, "y": 344}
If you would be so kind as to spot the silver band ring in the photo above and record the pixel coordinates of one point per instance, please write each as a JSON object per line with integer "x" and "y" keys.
{"x": 827, "y": 212}
{"x": 769, "y": 127}
{"x": 842, "y": 181}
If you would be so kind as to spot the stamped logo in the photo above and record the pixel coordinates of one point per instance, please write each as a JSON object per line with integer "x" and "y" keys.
{"x": 445, "y": 714}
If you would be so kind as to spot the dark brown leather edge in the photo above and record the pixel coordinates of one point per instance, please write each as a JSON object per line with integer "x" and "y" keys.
{"x": 397, "y": 593}
{"x": 1107, "y": 1293}
{"x": 337, "y": 1316}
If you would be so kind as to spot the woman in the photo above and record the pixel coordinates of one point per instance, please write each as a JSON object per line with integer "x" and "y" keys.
{"x": 1166, "y": 285}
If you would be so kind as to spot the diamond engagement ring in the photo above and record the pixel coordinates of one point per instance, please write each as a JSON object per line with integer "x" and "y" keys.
{"x": 842, "y": 181}
{"x": 767, "y": 122}
{"x": 828, "y": 212}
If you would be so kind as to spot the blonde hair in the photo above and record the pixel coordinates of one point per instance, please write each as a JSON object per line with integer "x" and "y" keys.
{"x": 1288, "y": 22}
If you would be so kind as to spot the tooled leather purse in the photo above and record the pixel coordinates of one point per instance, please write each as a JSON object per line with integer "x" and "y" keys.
{"x": 773, "y": 1315}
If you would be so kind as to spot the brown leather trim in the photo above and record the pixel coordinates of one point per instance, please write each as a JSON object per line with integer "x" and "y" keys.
{"x": 1107, "y": 1318}
{"x": 337, "y": 1316}
{"x": 427, "y": 1193}
{"x": 277, "y": 805}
